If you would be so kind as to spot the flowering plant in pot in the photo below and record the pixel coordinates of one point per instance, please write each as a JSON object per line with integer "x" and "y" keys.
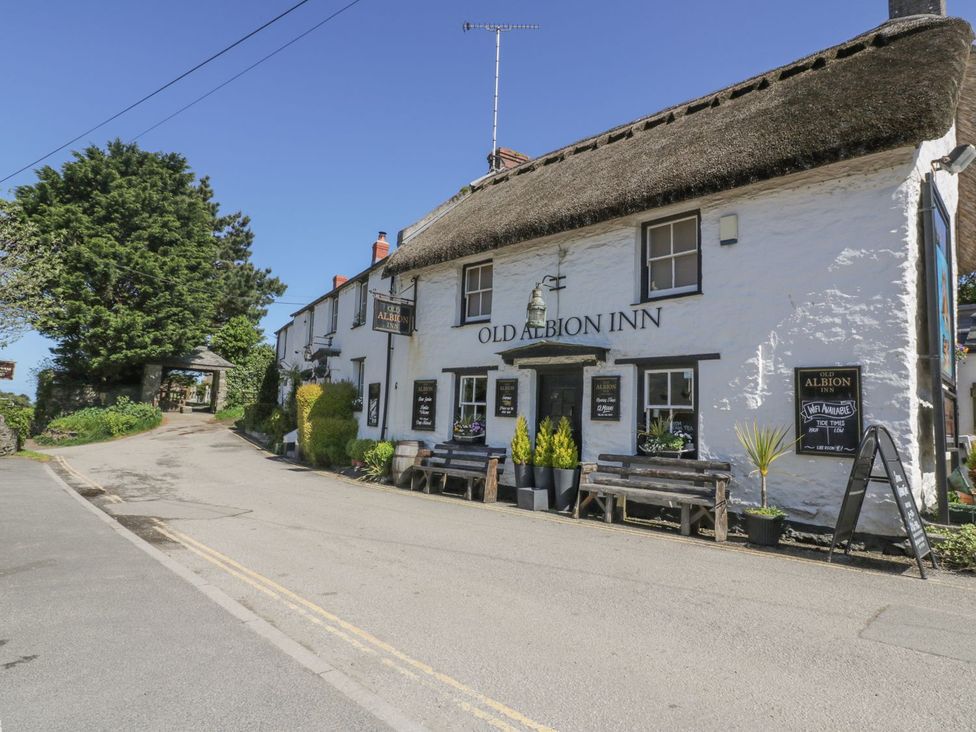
{"x": 665, "y": 438}
{"x": 542, "y": 458}
{"x": 469, "y": 429}
{"x": 764, "y": 445}
{"x": 565, "y": 465}
{"x": 522, "y": 454}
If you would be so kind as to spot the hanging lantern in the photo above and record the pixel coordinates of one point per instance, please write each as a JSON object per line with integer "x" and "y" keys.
{"x": 535, "y": 313}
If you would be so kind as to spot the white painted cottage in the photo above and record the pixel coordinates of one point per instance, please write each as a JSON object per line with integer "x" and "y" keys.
{"x": 705, "y": 261}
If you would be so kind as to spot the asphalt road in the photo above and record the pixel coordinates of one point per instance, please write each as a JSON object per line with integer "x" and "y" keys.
{"x": 470, "y": 616}
{"x": 97, "y": 634}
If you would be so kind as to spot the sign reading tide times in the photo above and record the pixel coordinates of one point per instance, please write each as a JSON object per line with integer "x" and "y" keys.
{"x": 828, "y": 410}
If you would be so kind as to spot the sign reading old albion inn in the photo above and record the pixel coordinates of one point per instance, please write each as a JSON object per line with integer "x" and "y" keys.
{"x": 612, "y": 322}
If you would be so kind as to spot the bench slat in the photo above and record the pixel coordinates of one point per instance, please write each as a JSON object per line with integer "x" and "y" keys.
{"x": 650, "y": 486}
{"x": 667, "y": 462}
{"x": 656, "y": 497}
{"x": 706, "y": 477}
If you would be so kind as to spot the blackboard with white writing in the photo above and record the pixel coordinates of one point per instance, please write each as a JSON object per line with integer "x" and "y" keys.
{"x": 605, "y": 399}
{"x": 506, "y": 397}
{"x": 424, "y": 406}
{"x": 373, "y": 405}
{"x": 878, "y": 441}
{"x": 828, "y": 410}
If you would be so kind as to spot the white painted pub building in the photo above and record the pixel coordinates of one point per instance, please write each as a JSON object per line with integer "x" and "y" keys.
{"x": 769, "y": 252}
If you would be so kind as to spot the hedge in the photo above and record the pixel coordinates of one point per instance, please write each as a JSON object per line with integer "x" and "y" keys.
{"x": 305, "y": 399}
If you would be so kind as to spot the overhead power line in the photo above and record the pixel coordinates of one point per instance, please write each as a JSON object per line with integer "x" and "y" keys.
{"x": 157, "y": 91}
{"x": 241, "y": 73}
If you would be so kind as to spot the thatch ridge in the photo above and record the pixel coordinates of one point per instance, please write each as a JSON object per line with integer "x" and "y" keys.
{"x": 894, "y": 86}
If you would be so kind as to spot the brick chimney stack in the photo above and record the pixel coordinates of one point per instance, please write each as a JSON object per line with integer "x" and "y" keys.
{"x": 338, "y": 280}
{"x": 508, "y": 158}
{"x": 381, "y": 247}
{"x": 904, "y": 8}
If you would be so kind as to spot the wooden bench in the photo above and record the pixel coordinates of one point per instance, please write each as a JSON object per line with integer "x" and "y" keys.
{"x": 477, "y": 465}
{"x": 699, "y": 487}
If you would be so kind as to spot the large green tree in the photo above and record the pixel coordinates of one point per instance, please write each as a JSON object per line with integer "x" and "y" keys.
{"x": 23, "y": 269}
{"x": 147, "y": 266}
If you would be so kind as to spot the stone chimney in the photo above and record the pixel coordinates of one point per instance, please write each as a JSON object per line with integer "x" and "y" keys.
{"x": 381, "y": 247}
{"x": 904, "y": 8}
{"x": 508, "y": 158}
{"x": 339, "y": 280}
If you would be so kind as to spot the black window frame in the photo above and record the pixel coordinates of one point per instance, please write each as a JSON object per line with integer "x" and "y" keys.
{"x": 645, "y": 295}
{"x": 333, "y": 314}
{"x": 464, "y": 292}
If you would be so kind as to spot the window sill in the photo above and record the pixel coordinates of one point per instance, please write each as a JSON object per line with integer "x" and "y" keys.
{"x": 668, "y": 296}
{"x": 473, "y": 322}
{"x": 357, "y": 325}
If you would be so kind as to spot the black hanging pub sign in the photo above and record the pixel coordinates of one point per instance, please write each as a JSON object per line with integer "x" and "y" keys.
{"x": 393, "y": 315}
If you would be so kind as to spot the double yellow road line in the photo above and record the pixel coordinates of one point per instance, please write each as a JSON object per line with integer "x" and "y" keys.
{"x": 480, "y": 706}
{"x": 85, "y": 480}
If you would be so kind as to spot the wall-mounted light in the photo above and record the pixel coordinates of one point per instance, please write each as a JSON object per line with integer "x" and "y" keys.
{"x": 535, "y": 311}
{"x": 728, "y": 229}
{"x": 956, "y": 161}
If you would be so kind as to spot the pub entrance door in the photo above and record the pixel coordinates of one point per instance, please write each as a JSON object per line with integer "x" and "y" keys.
{"x": 561, "y": 395}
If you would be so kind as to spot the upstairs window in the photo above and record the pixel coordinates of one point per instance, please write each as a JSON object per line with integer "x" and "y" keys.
{"x": 671, "y": 257}
{"x": 310, "y": 327}
{"x": 334, "y": 308}
{"x": 362, "y": 293}
{"x": 476, "y": 305}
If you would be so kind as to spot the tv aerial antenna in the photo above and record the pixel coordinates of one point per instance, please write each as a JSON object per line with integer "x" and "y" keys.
{"x": 497, "y": 29}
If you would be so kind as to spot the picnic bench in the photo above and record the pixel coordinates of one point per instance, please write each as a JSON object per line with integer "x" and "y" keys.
{"x": 699, "y": 488}
{"x": 477, "y": 465}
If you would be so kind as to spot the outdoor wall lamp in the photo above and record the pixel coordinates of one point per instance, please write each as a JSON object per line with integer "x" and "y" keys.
{"x": 535, "y": 312}
{"x": 956, "y": 161}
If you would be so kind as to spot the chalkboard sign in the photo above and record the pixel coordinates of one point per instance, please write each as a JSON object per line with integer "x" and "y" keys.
{"x": 506, "y": 397}
{"x": 373, "y": 405}
{"x": 828, "y": 410}
{"x": 877, "y": 440}
{"x": 605, "y": 399}
{"x": 424, "y": 405}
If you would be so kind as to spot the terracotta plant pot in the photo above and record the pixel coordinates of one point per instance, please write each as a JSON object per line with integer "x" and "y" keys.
{"x": 764, "y": 530}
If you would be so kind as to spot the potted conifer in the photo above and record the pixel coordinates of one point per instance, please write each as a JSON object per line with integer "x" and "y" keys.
{"x": 542, "y": 458}
{"x": 565, "y": 466}
{"x": 764, "y": 445}
{"x": 522, "y": 454}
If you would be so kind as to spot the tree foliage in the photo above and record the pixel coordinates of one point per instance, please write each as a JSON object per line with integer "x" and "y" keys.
{"x": 967, "y": 288}
{"x": 147, "y": 268}
{"x": 235, "y": 339}
{"x": 23, "y": 269}
{"x": 244, "y": 380}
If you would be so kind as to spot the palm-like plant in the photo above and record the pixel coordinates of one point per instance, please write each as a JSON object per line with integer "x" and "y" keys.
{"x": 764, "y": 445}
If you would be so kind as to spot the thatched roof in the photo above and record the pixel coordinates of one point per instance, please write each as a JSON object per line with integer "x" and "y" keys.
{"x": 894, "y": 86}
{"x": 966, "y": 213}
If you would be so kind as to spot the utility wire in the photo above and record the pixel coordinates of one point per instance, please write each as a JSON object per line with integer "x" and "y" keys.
{"x": 240, "y": 74}
{"x": 162, "y": 88}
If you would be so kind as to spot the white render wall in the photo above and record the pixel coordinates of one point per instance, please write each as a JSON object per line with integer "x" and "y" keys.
{"x": 824, "y": 274}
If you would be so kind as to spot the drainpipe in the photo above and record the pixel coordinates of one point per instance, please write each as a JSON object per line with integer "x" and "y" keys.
{"x": 386, "y": 387}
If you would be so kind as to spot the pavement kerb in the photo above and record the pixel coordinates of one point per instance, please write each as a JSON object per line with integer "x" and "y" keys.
{"x": 599, "y": 526}
{"x": 335, "y": 678}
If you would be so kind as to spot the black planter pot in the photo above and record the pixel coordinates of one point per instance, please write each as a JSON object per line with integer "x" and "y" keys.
{"x": 524, "y": 477}
{"x": 764, "y": 530}
{"x": 543, "y": 479}
{"x": 564, "y": 487}
{"x": 962, "y": 514}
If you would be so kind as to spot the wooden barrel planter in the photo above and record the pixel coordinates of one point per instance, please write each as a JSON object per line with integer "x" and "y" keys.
{"x": 404, "y": 458}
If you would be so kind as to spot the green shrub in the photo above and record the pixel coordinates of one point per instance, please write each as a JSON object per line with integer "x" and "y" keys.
{"x": 125, "y": 417}
{"x": 230, "y": 414}
{"x": 328, "y": 439}
{"x": 356, "y": 449}
{"x": 958, "y": 551}
{"x": 336, "y": 400}
{"x": 543, "y": 445}
{"x": 305, "y": 399}
{"x": 18, "y": 417}
{"x": 378, "y": 460}
{"x": 565, "y": 455}
{"x": 521, "y": 447}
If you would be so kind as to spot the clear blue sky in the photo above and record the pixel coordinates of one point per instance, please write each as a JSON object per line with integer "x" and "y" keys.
{"x": 378, "y": 116}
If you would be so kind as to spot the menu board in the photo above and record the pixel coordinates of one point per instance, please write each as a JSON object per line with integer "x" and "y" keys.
{"x": 424, "y": 405}
{"x": 506, "y": 398}
{"x": 828, "y": 410}
{"x": 373, "y": 405}
{"x": 605, "y": 399}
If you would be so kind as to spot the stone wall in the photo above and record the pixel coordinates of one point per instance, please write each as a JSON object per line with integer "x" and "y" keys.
{"x": 8, "y": 438}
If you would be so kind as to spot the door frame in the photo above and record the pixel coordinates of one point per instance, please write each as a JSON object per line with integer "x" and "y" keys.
{"x": 559, "y": 369}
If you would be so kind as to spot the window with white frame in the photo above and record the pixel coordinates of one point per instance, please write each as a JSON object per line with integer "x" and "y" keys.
{"x": 477, "y": 282}
{"x": 362, "y": 293}
{"x": 310, "y": 327}
{"x": 472, "y": 409}
{"x": 334, "y": 314}
{"x": 671, "y": 257}
{"x": 359, "y": 367}
{"x": 669, "y": 395}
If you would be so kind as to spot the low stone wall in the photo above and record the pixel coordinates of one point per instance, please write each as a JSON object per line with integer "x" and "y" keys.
{"x": 8, "y": 438}
{"x": 55, "y": 399}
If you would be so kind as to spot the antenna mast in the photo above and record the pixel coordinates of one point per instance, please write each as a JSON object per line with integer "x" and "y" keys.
{"x": 497, "y": 28}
